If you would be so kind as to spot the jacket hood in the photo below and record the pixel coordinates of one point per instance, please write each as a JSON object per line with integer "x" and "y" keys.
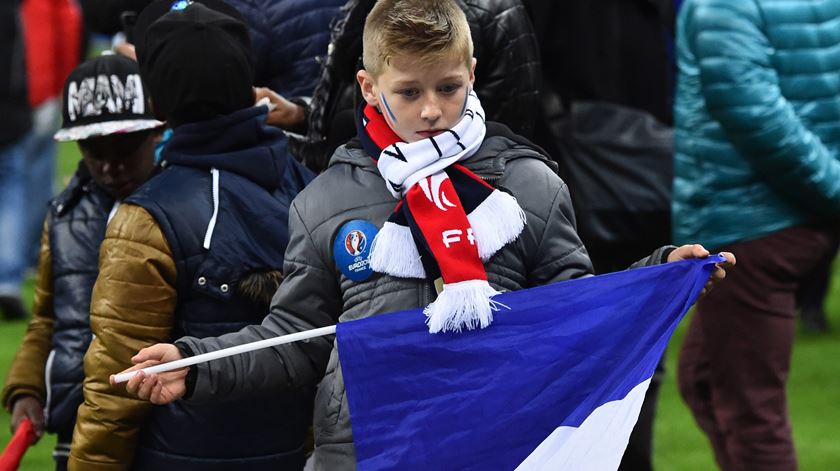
{"x": 240, "y": 143}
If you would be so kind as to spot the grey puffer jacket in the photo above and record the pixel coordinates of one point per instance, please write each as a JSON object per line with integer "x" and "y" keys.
{"x": 316, "y": 294}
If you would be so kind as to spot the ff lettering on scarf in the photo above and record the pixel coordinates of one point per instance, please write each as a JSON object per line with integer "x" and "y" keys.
{"x": 447, "y": 222}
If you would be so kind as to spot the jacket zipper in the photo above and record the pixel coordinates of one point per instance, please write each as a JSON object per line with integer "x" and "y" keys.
{"x": 491, "y": 180}
{"x": 48, "y": 384}
{"x": 426, "y": 293}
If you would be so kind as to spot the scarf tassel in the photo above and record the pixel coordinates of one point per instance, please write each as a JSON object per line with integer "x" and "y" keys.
{"x": 463, "y": 304}
{"x": 395, "y": 253}
{"x": 496, "y": 222}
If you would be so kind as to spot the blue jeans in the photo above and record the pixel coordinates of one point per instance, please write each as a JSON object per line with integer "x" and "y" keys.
{"x": 12, "y": 215}
{"x": 40, "y": 176}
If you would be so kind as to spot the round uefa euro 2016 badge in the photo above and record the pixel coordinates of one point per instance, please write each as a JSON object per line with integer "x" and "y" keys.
{"x": 351, "y": 249}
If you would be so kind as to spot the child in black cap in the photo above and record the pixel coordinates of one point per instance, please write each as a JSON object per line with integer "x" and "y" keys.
{"x": 107, "y": 112}
{"x": 196, "y": 251}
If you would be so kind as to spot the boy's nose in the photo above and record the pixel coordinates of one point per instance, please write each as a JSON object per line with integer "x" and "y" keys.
{"x": 111, "y": 168}
{"x": 431, "y": 111}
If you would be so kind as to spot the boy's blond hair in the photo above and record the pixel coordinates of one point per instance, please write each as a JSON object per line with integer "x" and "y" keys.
{"x": 428, "y": 29}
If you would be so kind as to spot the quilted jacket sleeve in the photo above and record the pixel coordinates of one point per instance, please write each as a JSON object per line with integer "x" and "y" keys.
{"x": 741, "y": 88}
{"x": 132, "y": 307}
{"x": 308, "y": 298}
{"x": 508, "y": 72}
{"x": 26, "y": 375}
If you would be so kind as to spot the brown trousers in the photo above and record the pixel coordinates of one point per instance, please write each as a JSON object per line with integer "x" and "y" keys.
{"x": 735, "y": 359}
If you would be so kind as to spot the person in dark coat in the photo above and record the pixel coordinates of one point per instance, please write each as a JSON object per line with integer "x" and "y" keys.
{"x": 44, "y": 383}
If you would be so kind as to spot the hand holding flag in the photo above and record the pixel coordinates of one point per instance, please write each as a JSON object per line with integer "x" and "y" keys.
{"x": 688, "y": 252}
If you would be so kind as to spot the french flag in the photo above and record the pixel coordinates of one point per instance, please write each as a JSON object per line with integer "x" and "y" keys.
{"x": 555, "y": 383}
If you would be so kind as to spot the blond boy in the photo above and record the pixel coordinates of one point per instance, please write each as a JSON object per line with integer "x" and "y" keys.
{"x": 480, "y": 207}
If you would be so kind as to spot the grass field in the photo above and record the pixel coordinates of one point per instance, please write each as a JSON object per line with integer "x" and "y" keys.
{"x": 679, "y": 445}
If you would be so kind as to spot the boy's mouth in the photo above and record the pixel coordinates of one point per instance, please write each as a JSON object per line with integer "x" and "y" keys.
{"x": 120, "y": 188}
{"x": 430, "y": 132}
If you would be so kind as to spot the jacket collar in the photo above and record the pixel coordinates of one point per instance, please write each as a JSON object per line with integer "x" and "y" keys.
{"x": 240, "y": 143}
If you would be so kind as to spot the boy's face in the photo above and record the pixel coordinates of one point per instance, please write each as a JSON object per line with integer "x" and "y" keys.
{"x": 120, "y": 163}
{"x": 419, "y": 100}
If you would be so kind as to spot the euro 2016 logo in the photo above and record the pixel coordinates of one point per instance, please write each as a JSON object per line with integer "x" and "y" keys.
{"x": 355, "y": 243}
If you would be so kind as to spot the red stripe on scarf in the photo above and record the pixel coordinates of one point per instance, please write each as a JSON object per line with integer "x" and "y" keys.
{"x": 377, "y": 128}
{"x": 447, "y": 232}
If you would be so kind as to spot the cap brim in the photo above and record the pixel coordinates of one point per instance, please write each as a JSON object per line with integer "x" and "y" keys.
{"x": 77, "y": 133}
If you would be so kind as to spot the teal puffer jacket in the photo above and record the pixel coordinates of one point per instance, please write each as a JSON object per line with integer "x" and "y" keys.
{"x": 757, "y": 118}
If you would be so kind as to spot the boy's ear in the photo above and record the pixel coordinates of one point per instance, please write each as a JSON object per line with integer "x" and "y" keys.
{"x": 368, "y": 86}
{"x": 472, "y": 72}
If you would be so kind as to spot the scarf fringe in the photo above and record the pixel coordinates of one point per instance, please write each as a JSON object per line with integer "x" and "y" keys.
{"x": 496, "y": 222}
{"x": 465, "y": 304}
{"x": 394, "y": 252}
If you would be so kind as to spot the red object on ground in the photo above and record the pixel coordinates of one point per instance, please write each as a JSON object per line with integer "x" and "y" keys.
{"x": 25, "y": 435}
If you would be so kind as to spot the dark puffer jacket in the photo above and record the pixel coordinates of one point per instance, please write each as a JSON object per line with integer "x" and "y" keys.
{"x": 506, "y": 78}
{"x": 48, "y": 366}
{"x": 287, "y": 36}
{"x": 77, "y": 221}
{"x": 315, "y": 293}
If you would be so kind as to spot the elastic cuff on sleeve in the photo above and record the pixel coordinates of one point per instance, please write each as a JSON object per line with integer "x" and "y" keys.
{"x": 666, "y": 252}
{"x": 192, "y": 373}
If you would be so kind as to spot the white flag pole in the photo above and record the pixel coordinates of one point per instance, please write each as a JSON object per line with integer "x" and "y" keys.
{"x": 226, "y": 352}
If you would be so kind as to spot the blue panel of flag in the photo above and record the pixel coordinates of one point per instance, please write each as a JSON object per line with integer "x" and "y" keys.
{"x": 554, "y": 383}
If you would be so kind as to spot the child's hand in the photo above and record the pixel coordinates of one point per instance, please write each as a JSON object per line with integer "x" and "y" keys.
{"x": 282, "y": 113}
{"x": 127, "y": 50}
{"x": 159, "y": 388}
{"x": 698, "y": 251}
{"x": 27, "y": 407}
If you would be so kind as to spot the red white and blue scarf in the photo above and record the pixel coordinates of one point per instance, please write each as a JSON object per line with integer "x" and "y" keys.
{"x": 447, "y": 221}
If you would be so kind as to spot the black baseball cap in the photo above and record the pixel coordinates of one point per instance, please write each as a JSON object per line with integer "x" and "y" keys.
{"x": 196, "y": 58}
{"x": 104, "y": 96}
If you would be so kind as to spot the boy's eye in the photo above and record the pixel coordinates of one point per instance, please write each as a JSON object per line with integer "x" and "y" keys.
{"x": 408, "y": 92}
{"x": 450, "y": 88}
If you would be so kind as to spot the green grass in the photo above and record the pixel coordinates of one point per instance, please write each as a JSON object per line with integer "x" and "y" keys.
{"x": 39, "y": 457}
{"x": 679, "y": 445}
{"x": 814, "y": 395}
